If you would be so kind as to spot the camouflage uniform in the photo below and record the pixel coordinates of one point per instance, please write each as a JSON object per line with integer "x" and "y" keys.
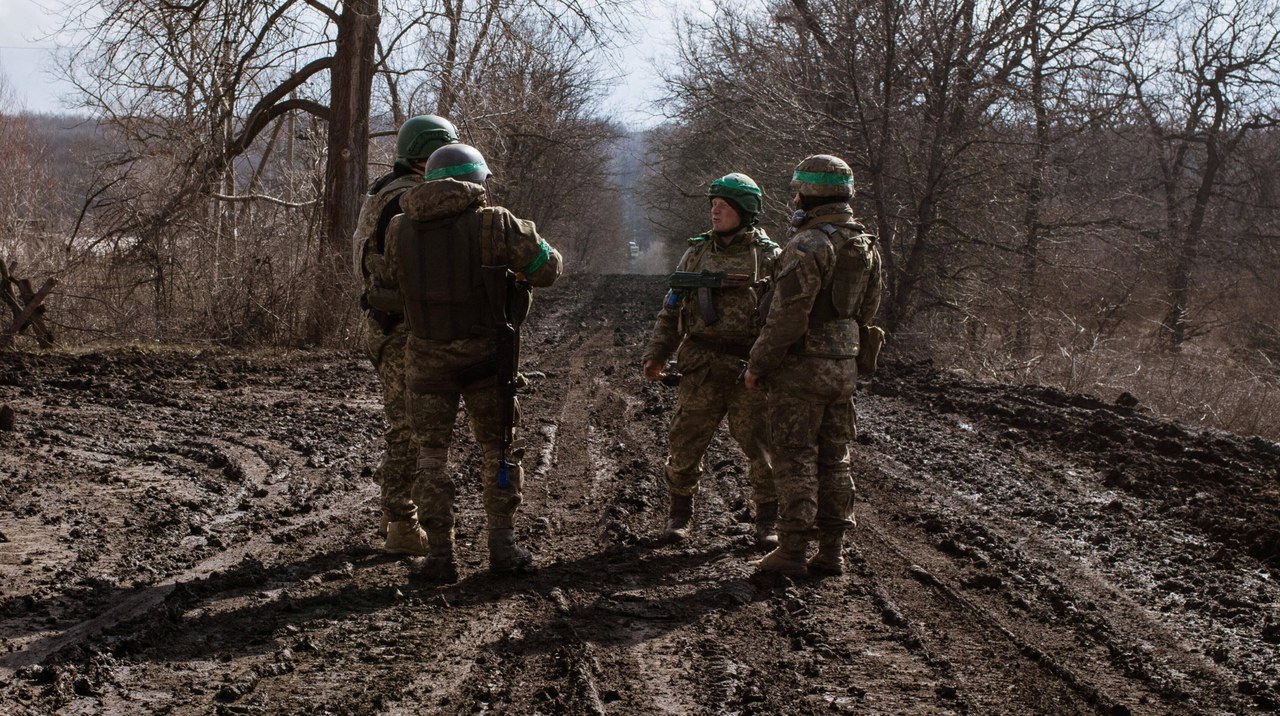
{"x": 805, "y": 356}
{"x": 711, "y": 359}
{"x": 385, "y": 334}
{"x": 439, "y": 373}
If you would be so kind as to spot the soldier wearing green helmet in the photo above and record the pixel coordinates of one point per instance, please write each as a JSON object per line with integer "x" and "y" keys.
{"x": 709, "y": 323}
{"x": 806, "y": 362}
{"x": 465, "y": 271}
{"x": 419, "y": 137}
{"x": 385, "y": 332}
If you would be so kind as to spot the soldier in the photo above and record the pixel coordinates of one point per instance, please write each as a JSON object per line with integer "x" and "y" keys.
{"x": 458, "y": 262}
{"x": 713, "y": 328}
{"x": 384, "y": 324}
{"x": 828, "y": 286}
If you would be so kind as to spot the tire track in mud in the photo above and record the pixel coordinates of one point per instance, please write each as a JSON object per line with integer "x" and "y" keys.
{"x": 996, "y": 561}
{"x": 999, "y": 567}
{"x": 597, "y": 454}
{"x": 260, "y": 480}
{"x": 198, "y": 501}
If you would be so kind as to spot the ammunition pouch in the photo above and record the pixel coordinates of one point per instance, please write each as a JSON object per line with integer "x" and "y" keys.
{"x": 870, "y": 340}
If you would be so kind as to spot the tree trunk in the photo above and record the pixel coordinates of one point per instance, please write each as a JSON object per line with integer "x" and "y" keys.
{"x": 351, "y": 80}
{"x": 1035, "y": 196}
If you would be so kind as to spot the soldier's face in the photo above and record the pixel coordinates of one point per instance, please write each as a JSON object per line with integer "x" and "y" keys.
{"x": 723, "y": 216}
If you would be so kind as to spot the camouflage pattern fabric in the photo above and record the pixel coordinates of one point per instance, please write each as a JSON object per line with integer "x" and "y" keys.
{"x": 811, "y": 426}
{"x": 810, "y": 394}
{"x": 710, "y": 389}
{"x": 433, "y": 368}
{"x": 433, "y": 415}
{"x": 749, "y": 252}
{"x": 395, "y": 472}
{"x": 368, "y": 263}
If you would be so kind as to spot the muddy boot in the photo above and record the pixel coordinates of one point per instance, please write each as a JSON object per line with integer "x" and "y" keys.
{"x": 679, "y": 519}
{"x": 439, "y": 566}
{"x": 829, "y": 561}
{"x": 767, "y": 525}
{"x": 507, "y": 556}
{"x": 405, "y": 537}
{"x": 787, "y": 560}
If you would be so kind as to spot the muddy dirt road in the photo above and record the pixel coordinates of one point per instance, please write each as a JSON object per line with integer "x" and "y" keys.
{"x": 192, "y": 532}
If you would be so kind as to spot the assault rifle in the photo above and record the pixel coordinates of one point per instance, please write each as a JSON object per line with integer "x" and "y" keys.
{"x": 686, "y": 282}
{"x": 499, "y": 282}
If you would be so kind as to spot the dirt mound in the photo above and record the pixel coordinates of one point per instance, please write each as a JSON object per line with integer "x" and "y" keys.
{"x": 188, "y": 531}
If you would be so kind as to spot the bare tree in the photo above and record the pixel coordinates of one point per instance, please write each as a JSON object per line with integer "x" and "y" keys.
{"x": 1217, "y": 87}
{"x": 204, "y": 94}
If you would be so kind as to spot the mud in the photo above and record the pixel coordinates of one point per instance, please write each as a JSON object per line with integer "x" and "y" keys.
{"x": 192, "y": 532}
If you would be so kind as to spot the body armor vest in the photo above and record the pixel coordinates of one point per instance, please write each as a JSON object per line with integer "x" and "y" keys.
{"x": 842, "y": 298}
{"x": 442, "y": 280}
{"x": 833, "y": 330}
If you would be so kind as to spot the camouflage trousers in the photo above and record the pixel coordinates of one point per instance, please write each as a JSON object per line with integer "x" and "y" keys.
{"x": 395, "y": 472}
{"x": 432, "y": 415}
{"x": 812, "y": 424}
{"x": 707, "y": 394}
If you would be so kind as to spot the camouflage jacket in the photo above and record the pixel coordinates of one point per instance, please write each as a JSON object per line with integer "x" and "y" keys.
{"x": 805, "y": 269}
{"x": 749, "y": 252}
{"x": 367, "y": 246}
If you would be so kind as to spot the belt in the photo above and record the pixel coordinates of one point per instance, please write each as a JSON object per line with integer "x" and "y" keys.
{"x": 737, "y": 350}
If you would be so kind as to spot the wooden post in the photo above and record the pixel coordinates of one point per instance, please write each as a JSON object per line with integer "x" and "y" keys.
{"x": 25, "y": 307}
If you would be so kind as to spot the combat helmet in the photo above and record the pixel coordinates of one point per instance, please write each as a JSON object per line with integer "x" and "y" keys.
{"x": 739, "y": 190}
{"x": 421, "y": 136}
{"x": 823, "y": 175}
{"x": 458, "y": 161}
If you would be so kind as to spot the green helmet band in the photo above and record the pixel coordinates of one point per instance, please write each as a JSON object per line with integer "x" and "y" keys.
{"x": 823, "y": 178}
{"x": 740, "y": 191}
{"x": 735, "y": 184}
{"x": 457, "y": 170}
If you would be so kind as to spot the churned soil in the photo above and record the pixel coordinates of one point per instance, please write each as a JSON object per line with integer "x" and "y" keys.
{"x": 188, "y": 531}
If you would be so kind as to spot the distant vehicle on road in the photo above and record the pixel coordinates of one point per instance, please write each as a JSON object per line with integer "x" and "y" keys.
{"x": 633, "y": 249}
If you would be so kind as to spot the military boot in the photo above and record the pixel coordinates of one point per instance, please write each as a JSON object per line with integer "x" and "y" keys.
{"x": 439, "y": 566}
{"x": 507, "y": 556}
{"x": 829, "y": 561}
{"x": 787, "y": 560}
{"x": 405, "y": 537}
{"x": 679, "y": 519}
{"x": 767, "y": 525}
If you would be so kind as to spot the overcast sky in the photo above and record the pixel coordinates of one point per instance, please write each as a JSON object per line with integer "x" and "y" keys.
{"x": 25, "y": 56}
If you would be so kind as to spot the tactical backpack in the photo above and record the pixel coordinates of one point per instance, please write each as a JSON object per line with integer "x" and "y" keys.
{"x": 855, "y": 260}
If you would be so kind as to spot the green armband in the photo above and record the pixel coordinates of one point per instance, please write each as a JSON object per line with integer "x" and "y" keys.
{"x": 544, "y": 255}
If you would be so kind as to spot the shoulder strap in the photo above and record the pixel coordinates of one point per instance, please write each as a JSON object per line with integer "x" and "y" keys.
{"x": 384, "y": 220}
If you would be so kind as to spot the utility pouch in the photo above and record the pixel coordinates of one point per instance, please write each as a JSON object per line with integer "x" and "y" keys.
{"x": 870, "y": 340}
